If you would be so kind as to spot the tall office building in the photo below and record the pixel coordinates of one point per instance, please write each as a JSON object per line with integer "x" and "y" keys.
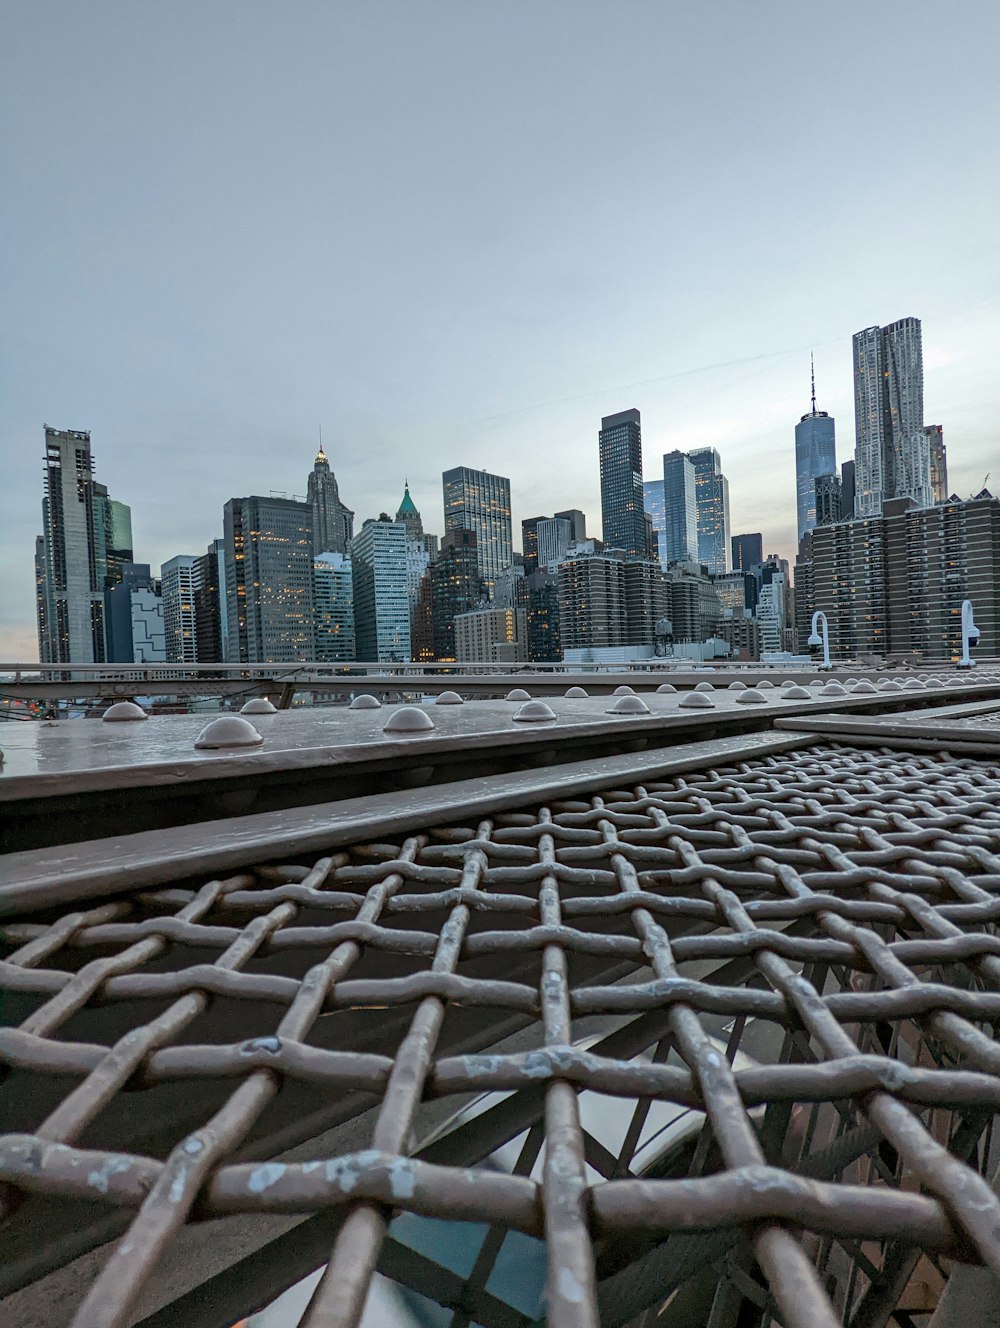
{"x": 555, "y": 535}
{"x": 457, "y": 586}
{"x": 491, "y": 636}
{"x": 133, "y": 617}
{"x": 75, "y": 521}
{"x": 381, "y": 591}
{"x": 938, "y": 461}
{"x": 529, "y": 543}
{"x": 712, "y": 498}
{"x": 578, "y": 522}
{"x": 680, "y": 510}
{"x": 653, "y": 502}
{"x": 478, "y": 501}
{"x": 892, "y": 453}
{"x": 815, "y": 454}
{"x": 179, "y": 585}
{"x": 332, "y": 521}
{"x": 269, "y": 580}
{"x": 622, "y": 513}
{"x": 211, "y": 622}
{"x": 748, "y": 551}
{"x": 828, "y": 500}
{"x": 847, "y": 490}
{"x": 333, "y": 607}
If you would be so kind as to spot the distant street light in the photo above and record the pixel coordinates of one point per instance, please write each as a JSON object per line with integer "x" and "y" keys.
{"x": 816, "y": 640}
{"x": 970, "y": 636}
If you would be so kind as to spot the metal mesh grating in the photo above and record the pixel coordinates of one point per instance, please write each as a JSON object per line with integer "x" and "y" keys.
{"x": 842, "y": 901}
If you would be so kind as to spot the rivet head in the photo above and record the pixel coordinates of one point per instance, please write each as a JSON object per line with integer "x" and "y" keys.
{"x": 629, "y": 704}
{"x": 704, "y": 687}
{"x": 258, "y": 705}
{"x": 576, "y": 693}
{"x": 533, "y": 711}
{"x": 795, "y": 693}
{"x": 228, "y": 731}
{"x": 449, "y": 698}
{"x": 750, "y": 697}
{"x": 408, "y": 719}
{"x": 666, "y": 687}
{"x": 737, "y": 686}
{"x": 696, "y": 701}
{"x": 518, "y": 694}
{"x": 365, "y": 702}
{"x": 624, "y": 690}
{"x": 124, "y": 710}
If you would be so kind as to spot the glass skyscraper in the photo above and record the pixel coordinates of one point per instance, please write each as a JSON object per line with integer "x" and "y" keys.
{"x": 269, "y": 580}
{"x": 748, "y": 551}
{"x": 381, "y": 592}
{"x": 712, "y": 497}
{"x": 892, "y": 453}
{"x": 680, "y": 510}
{"x": 478, "y": 501}
{"x": 652, "y": 501}
{"x": 622, "y": 513}
{"x": 815, "y": 455}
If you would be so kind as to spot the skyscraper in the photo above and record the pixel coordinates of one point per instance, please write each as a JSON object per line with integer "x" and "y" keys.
{"x": 333, "y": 603}
{"x": 332, "y": 522}
{"x": 680, "y": 510}
{"x": 577, "y": 520}
{"x": 892, "y": 453}
{"x": 622, "y": 513}
{"x": 269, "y": 579}
{"x": 939, "y": 462}
{"x": 478, "y": 501}
{"x": 211, "y": 623}
{"x": 555, "y": 535}
{"x": 381, "y": 591}
{"x": 815, "y": 454}
{"x": 748, "y": 551}
{"x": 529, "y": 543}
{"x": 652, "y": 501}
{"x": 828, "y": 499}
{"x": 456, "y": 587}
{"x": 133, "y": 617}
{"x": 847, "y": 490}
{"x": 712, "y": 498}
{"x": 179, "y": 585}
{"x": 74, "y": 552}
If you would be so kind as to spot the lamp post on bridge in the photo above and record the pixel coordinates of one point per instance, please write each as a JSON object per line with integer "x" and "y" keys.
{"x": 970, "y": 635}
{"x": 819, "y": 618}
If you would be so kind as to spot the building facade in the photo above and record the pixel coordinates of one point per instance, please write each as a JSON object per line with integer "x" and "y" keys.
{"x": 892, "y": 452}
{"x": 133, "y": 617}
{"x": 478, "y": 501}
{"x": 74, "y": 553}
{"x": 938, "y": 462}
{"x": 491, "y": 636}
{"x": 269, "y": 580}
{"x": 894, "y": 584}
{"x": 748, "y": 551}
{"x": 457, "y": 586}
{"x": 712, "y": 500}
{"x": 333, "y": 609}
{"x": 680, "y": 510}
{"x": 827, "y": 501}
{"x": 381, "y": 592}
{"x": 653, "y": 502}
{"x": 179, "y": 586}
{"x": 815, "y": 455}
{"x": 555, "y": 535}
{"x": 622, "y": 512}
{"x": 332, "y": 521}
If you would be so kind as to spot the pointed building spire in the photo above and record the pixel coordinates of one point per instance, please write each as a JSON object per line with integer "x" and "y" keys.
{"x": 320, "y": 455}
{"x": 812, "y": 374}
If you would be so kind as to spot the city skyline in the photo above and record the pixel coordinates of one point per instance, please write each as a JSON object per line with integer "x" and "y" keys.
{"x": 209, "y": 301}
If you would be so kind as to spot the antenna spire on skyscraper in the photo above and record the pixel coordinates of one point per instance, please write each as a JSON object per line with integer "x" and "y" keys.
{"x": 812, "y": 374}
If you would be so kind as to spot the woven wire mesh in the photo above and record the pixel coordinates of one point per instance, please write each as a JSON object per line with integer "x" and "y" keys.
{"x": 844, "y": 900}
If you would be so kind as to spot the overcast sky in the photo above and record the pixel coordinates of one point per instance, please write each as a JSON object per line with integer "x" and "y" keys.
{"x": 461, "y": 232}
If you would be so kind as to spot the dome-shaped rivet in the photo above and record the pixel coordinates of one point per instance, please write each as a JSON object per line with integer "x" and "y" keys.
{"x": 228, "y": 731}
{"x": 737, "y": 687}
{"x": 704, "y": 687}
{"x": 795, "y": 693}
{"x": 864, "y": 687}
{"x": 832, "y": 689}
{"x": 629, "y": 705}
{"x": 518, "y": 694}
{"x": 408, "y": 719}
{"x": 666, "y": 687}
{"x": 365, "y": 702}
{"x": 624, "y": 690}
{"x": 576, "y": 692}
{"x": 124, "y": 710}
{"x": 697, "y": 701}
{"x": 258, "y": 705}
{"x": 765, "y": 686}
{"x": 449, "y": 698}
{"x": 750, "y": 697}
{"x": 533, "y": 711}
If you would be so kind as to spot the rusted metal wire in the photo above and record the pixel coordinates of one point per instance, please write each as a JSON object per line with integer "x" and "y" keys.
{"x": 845, "y": 899}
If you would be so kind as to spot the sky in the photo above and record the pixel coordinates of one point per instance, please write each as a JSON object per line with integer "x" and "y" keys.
{"x": 461, "y": 231}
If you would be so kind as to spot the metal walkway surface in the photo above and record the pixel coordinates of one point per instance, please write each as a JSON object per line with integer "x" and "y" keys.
{"x": 214, "y": 1086}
